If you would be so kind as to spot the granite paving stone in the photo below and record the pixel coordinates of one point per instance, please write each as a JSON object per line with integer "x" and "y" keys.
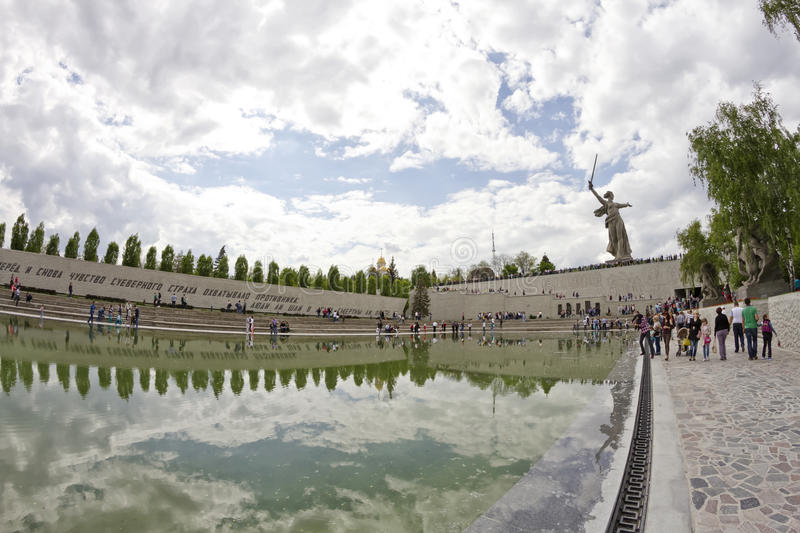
{"x": 738, "y": 426}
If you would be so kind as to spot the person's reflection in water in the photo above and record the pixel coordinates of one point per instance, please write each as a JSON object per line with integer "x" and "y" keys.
{"x": 91, "y": 333}
{"x": 136, "y": 336}
{"x": 66, "y": 339}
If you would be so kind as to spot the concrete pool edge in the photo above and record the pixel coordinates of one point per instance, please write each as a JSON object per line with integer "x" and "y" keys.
{"x": 573, "y": 486}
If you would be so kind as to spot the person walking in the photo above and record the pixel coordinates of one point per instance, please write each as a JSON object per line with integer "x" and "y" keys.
{"x": 136, "y": 316}
{"x": 737, "y": 324}
{"x": 644, "y": 334}
{"x": 91, "y": 314}
{"x": 750, "y": 320}
{"x": 657, "y": 333}
{"x": 721, "y": 328}
{"x": 694, "y": 335}
{"x": 70, "y": 289}
{"x": 667, "y": 323}
{"x": 766, "y": 333}
{"x": 704, "y": 334}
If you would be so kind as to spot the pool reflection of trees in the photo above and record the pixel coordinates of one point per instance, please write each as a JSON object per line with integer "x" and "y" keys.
{"x": 379, "y": 375}
{"x": 382, "y": 375}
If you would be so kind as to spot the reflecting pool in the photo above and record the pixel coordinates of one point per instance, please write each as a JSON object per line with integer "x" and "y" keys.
{"x": 105, "y": 429}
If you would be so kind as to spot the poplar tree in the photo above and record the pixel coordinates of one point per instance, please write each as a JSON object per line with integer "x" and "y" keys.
{"x": 36, "y": 241}
{"x": 167, "y": 259}
{"x": 151, "y": 258}
{"x": 240, "y": 268}
{"x": 258, "y": 272}
{"x": 112, "y": 254}
{"x": 90, "y": 246}
{"x": 53, "y": 245}
{"x": 71, "y": 249}
{"x": 187, "y": 263}
{"x": 132, "y": 256}
{"x": 19, "y": 233}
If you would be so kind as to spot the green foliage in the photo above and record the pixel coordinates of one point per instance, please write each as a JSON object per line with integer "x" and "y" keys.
{"x": 19, "y": 233}
{"x": 303, "y": 276}
{"x": 333, "y": 278}
{"x": 456, "y": 275}
{"x": 360, "y": 282}
{"x": 510, "y": 269}
{"x": 391, "y": 270}
{"x": 386, "y": 286}
{"x": 222, "y": 253}
{"x": 53, "y": 244}
{"x": 187, "y": 263}
{"x": 167, "y": 259}
{"x": 258, "y": 272}
{"x": 722, "y": 240}
{"x": 90, "y": 246}
{"x": 545, "y": 265}
{"x": 420, "y": 274}
{"x": 401, "y": 288}
{"x": 780, "y": 14}
{"x": 525, "y": 262}
{"x": 698, "y": 252}
{"x": 434, "y": 279}
{"x": 221, "y": 270}
{"x": 205, "y": 266}
{"x": 132, "y": 255}
{"x": 36, "y": 241}
{"x": 240, "y": 268}
{"x": 71, "y": 249}
{"x": 2, "y": 234}
{"x": 112, "y": 254}
{"x": 421, "y": 302}
{"x": 372, "y": 284}
{"x": 289, "y": 277}
{"x": 319, "y": 280}
{"x": 176, "y": 262}
{"x": 750, "y": 165}
{"x": 273, "y": 273}
{"x": 150, "y": 258}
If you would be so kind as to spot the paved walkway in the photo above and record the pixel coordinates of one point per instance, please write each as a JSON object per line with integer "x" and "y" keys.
{"x": 739, "y": 428}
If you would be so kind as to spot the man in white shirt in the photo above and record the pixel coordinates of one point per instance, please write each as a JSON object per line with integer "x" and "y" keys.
{"x": 738, "y": 327}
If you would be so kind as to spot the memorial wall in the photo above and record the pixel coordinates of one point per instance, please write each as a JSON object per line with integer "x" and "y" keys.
{"x": 659, "y": 279}
{"x": 139, "y": 285}
{"x": 648, "y": 283}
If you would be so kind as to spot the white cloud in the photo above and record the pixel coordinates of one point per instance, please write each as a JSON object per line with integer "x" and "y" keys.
{"x": 413, "y": 83}
{"x": 349, "y": 181}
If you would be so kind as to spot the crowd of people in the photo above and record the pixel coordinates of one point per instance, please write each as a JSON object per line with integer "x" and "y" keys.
{"x": 584, "y": 268}
{"x": 692, "y": 331}
{"x": 127, "y": 315}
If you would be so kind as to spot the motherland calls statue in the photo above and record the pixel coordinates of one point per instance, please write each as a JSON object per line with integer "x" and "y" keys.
{"x": 618, "y": 244}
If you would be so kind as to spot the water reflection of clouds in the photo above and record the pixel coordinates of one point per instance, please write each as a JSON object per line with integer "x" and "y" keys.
{"x": 72, "y": 449}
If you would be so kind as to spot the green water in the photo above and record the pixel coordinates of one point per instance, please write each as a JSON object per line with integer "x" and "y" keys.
{"x": 105, "y": 430}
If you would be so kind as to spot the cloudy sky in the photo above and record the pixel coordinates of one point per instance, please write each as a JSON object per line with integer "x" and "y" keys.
{"x": 322, "y": 132}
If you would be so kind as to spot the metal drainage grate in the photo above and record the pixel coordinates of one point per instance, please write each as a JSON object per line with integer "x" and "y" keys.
{"x": 631, "y": 506}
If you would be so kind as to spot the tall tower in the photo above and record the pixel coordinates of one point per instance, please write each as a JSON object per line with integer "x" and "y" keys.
{"x": 494, "y": 256}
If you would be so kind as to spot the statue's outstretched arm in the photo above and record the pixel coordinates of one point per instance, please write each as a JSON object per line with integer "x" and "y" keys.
{"x": 599, "y": 198}
{"x": 620, "y": 206}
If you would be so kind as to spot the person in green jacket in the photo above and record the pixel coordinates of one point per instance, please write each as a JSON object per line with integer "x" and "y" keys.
{"x": 750, "y": 319}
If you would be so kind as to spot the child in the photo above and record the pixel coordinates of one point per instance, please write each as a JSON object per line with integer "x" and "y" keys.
{"x": 766, "y": 331}
{"x": 706, "y": 339}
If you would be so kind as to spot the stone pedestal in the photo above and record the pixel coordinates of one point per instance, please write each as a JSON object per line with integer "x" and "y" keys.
{"x": 763, "y": 290}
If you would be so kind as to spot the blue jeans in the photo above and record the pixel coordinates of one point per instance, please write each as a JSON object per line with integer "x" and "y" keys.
{"x": 693, "y": 348}
{"x": 737, "y": 336}
{"x": 706, "y": 349}
{"x": 657, "y": 338}
{"x": 752, "y": 342}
